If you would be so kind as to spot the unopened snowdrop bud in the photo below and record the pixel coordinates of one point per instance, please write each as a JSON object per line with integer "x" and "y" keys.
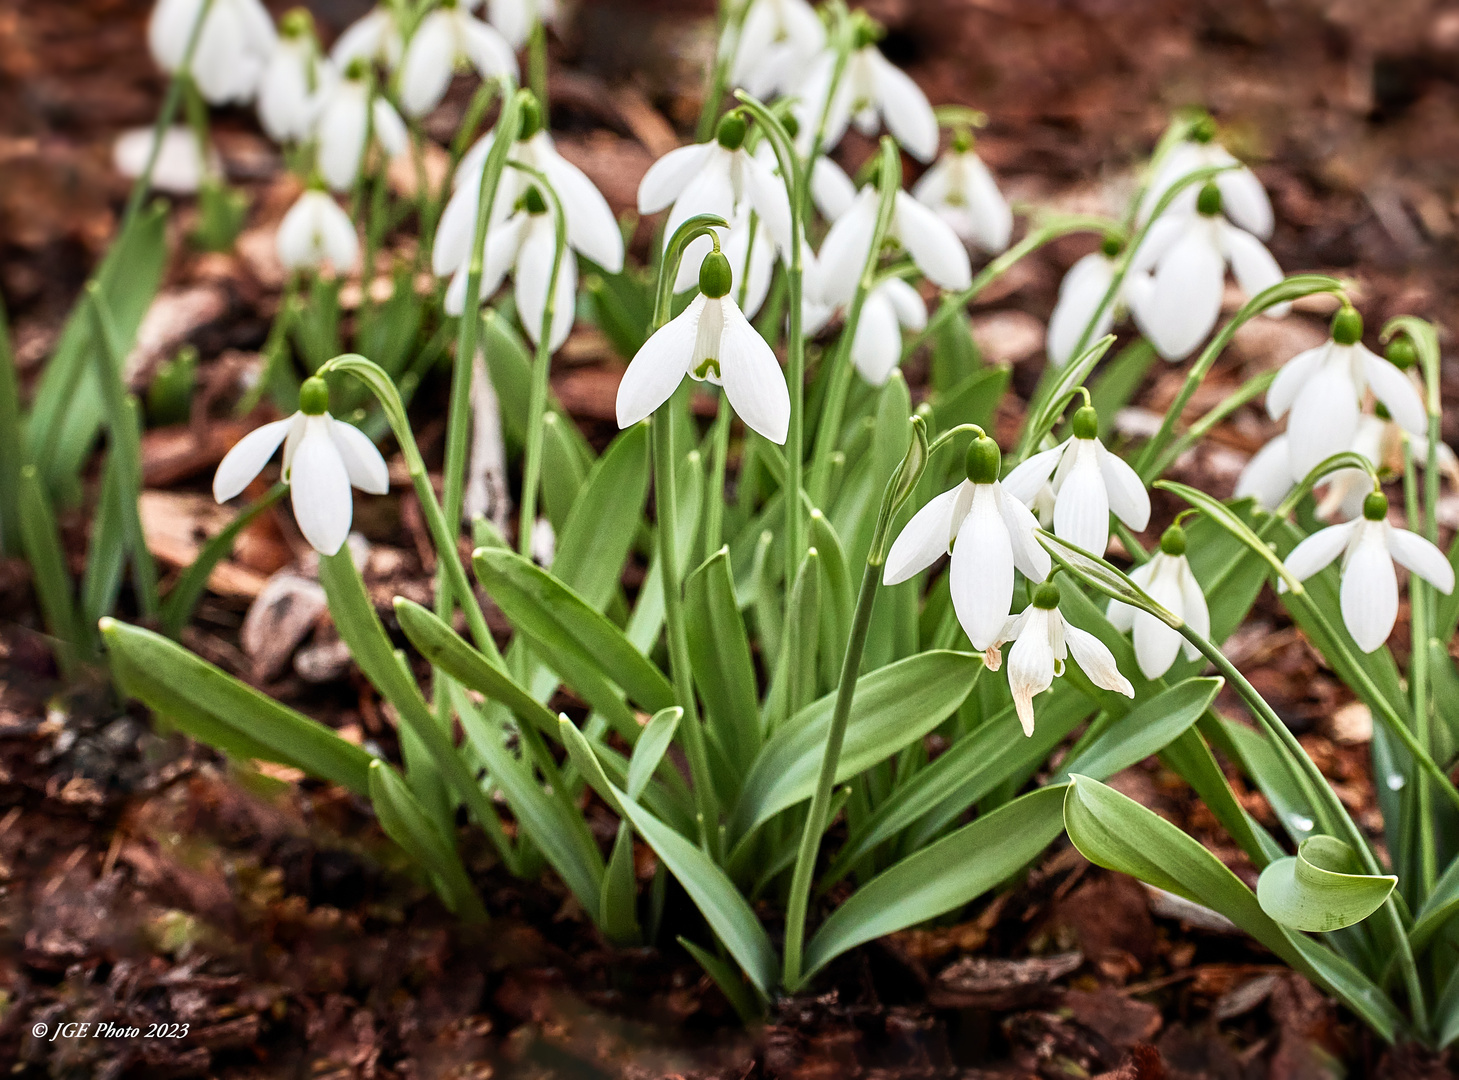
{"x": 964, "y": 194}
{"x": 1323, "y": 388}
{"x": 1401, "y": 353}
{"x": 1166, "y": 579}
{"x": 1042, "y": 640}
{"x": 447, "y": 37}
{"x": 709, "y": 341}
{"x": 983, "y": 461}
{"x": 731, "y": 131}
{"x": 323, "y": 458}
{"x": 1087, "y": 482}
{"x": 316, "y": 230}
{"x": 233, "y": 45}
{"x": 1369, "y": 547}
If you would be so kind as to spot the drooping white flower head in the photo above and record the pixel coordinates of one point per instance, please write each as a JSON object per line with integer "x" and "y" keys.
{"x": 872, "y": 91}
{"x": 290, "y": 92}
{"x": 526, "y": 245}
{"x": 1369, "y": 547}
{"x": 447, "y": 37}
{"x": 1042, "y": 640}
{"x": 832, "y": 190}
{"x": 1178, "y": 274}
{"x": 1088, "y": 483}
{"x": 717, "y": 177}
{"x": 877, "y": 347}
{"x": 776, "y": 42}
{"x": 749, "y": 247}
{"x": 1166, "y": 579}
{"x": 351, "y": 118}
{"x": 1244, "y": 198}
{"x": 315, "y": 231}
{"x": 964, "y": 194}
{"x": 1324, "y": 387}
{"x": 323, "y": 458}
{"x": 934, "y": 247}
{"x": 1080, "y": 294}
{"x": 592, "y": 231}
{"x": 182, "y": 163}
{"x": 374, "y": 38}
{"x": 514, "y": 19}
{"x": 233, "y": 46}
{"x": 709, "y": 341}
{"x": 1267, "y": 477}
{"x": 994, "y": 533}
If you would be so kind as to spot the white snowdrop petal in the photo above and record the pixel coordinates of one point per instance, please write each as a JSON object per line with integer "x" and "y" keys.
{"x": 1029, "y": 556}
{"x": 319, "y": 488}
{"x": 659, "y": 366}
{"x": 1323, "y": 420}
{"x": 992, "y": 218}
{"x": 1031, "y": 664}
{"x": 1369, "y": 592}
{"x": 534, "y": 272}
{"x": 1095, "y": 660}
{"x": 752, "y": 378}
{"x": 934, "y": 247}
{"x": 363, "y": 39}
{"x": 1159, "y": 239}
{"x": 831, "y": 189}
{"x": 1245, "y": 201}
{"x": 1024, "y": 482}
{"x": 1185, "y": 299}
{"x": 1253, "y": 266}
{"x": 924, "y": 538}
{"x": 1080, "y": 294}
{"x": 180, "y": 167}
{"x": 981, "y": 578}
{"x": 1156, "y": 644}
{"x": 1081, "y": 511}
{"x": 247, "y": 458}
{"x": 1194, "y": 610}
{"x": 455, "y": 231}
{"x": 1412, "y": 551}
{"x": 1122, "y": 616}
{"x": 1319, "y": 550}
{"x": 1292, "y": 378}
{"x": 429, "y": 61}
{"x": 487, "y": 50}
{"x": 1267, "y": 477}
{"x": 1393, "y": 388}
{"x": 935, "y": 185}
{"x": 709, "y": 191}
{"x": 390, "y": 130}
{"x": 336, "y": 234}
{"x": 911, "y": 309}
{"x": 767, "y": 195}
{"x": 342, "y": 127}
{"x": 1128, "y": 498}
{"x": 591, "y": 227}
{"x": 877, "y": 346}
{"x": 904, "y": 107}
{"x": 363, "y": 463}
{"x": 168, "y": 29}
{"x": 512, "y": 18}
{"x": 844, "y": 252}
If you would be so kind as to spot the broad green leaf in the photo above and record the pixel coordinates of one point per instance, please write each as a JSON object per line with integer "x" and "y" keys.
{"x": 1192, "y": 759}
{"x": 564, "y": 626}
{"x": 955, "y": 354}
{"x": 746, "y": 1005}
{"x": 599, "y": 531}
{"x": 158, "y": 672}
{"x": 972, "y": 401}
{"x": 1446, "y": 1013}
{"x": 408, "y": 825}
{"x": 647, "y": 620}
{"x": 1146, "y": 729}
{"x": 1440, "y": 909}
{"x": 1320, "y": 888}
{"x": 106, "y": 553}
{"x": 10, "y": 441}
{"x": 835, "y": 596}
{"x": 563, "y": 471}
{"x": 618, "y": 901}
{"x": 41, "y": 541}
{"x": 658, "y": 733}
{"x": 719, "y": 655}
{"x": 509, "y": 363}
{"x": 1119, "y": 834}
{"x": 795, "y": 670}
{"x": 892, "y": 706}
{"x": 1262, "y": 762}
{"x": 943, "y": 876}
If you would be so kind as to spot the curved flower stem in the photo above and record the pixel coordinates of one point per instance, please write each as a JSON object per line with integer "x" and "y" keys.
{"x": 841, "y": 42}
{"x": 541, "y": 369}
{"x": 1418, "y": 593}
{"x": 898, "y": 489}
{"x": 829, "y": 428}
{"x": 537, "y": 64}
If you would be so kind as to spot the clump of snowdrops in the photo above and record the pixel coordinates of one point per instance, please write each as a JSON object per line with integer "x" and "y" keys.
{"x": 801, "y": 630}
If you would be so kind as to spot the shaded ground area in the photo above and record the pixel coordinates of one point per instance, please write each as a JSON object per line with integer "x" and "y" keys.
{"x": 143, "y": 883}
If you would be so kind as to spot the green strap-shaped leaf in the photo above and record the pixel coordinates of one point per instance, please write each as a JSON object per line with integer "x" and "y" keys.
{"x": 893, "y": 706}
{"x": 658, "y": 733}
{"x": 1441, "y": 908}
{"x": 942, "y": 876}
{"x": 409, "y": 826}
{"x": 618, "y": 900}
{"x": 747, "y": 1006}
{"x": 724, "y": 671}
{"x": 156, "y": 669}
{"x": 1222, "y": 514}
{"x": 601, "y": 526}
{"x": 1146, "y": 729}
{"x": 1320, "y": 888}
{"x": 563, "y": 471}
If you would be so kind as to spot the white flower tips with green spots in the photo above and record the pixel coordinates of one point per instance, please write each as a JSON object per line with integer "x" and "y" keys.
{"x": 1369, "y": 547}
{"x": 709, "y": 341}
{"x": 323, "y": 458}
{"x": 1166, "y": 579}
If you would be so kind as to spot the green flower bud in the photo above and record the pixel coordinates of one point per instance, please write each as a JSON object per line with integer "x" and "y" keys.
{"x": 533, "y": 201}
{"x": 1375, "y": 506}
{"x": 314, "y": 397}
{"x": 296, "y": 23}
{"x": 984, "y": 460}
{"x": 1347, "y": 326}
{"x": 1172, "y": 541}
{"x": 865, "y": 30}
{"x": 962, "y": 141}
{"x": 1203, "y": 130}
{"x": 1208, "y": 202}
{"x": 357, "y": 69}
{"x": 1110, "y": 246}
{"x": 531, "y": 115}
{"x": 1046, "y": 596}
{"x": 731, "y": 130}
{"x": 715, "y": 275}
{"x": 790, "y": 124}
{"x": 1401, "y": 353}
{"x": 1086, "y": 423}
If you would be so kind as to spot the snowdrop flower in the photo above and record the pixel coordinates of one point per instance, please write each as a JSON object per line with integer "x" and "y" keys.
{"x": 1369, "y": 546}
{"x": 1178, "y": 275}
{"x": 1166, "y": 579}
{"x": 995, "y": 535}
{"x": 934, "y": 247}
{"x": 871, "y": 91}
{"x": 289, "y": 92}
{"x": 233, "y": 46}
{"x": 514, "y": 19}
{"x": 592, "y": 230}
{"x": 832, "y": 190}
{"x": 445, "y": 38}
{"x": 1323, "y": 388}
{"x": 776, "y": 42}
{"x": 1080, "y": 294}
{"x": 316, "y": 230}
{"x": 1243, "y": 196}
{"x": 323, "y": 457}
{"x": 1088, "y": 482}
{"x": 751, "y": 252}
{"x": 351, "y": 114}
{"x": 710, "y": 340}
{"x": 1381, "y": 441}
{"x": 1042, "y": 640}
{"x": 182, "y": 163}
{"x": 1267, "y": 477}
{"x": 965, "y": 195}
{"x": 374, "y": 39}
{"x": 526, "y": 244}
{"x": 717, "y": 177}
{"x": 877, "y": 347}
